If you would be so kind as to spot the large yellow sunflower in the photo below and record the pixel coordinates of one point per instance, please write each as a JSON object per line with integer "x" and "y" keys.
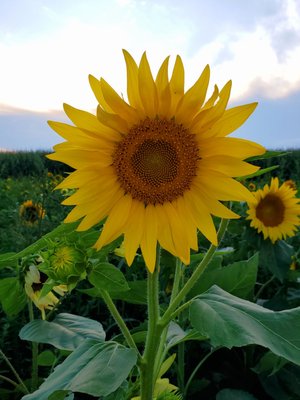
{"x": 275, "y": 211}
{"x": 158, "y": 165}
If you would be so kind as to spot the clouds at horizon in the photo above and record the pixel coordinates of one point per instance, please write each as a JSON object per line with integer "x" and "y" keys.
{"x": 48, "y": 48}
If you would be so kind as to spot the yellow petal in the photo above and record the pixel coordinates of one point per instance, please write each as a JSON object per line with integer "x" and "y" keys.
{"x": 201, "y": 216}
{"x": 227, "y": 165}
{"x": 214, "y": 206}
{"x": 207, "y": 118}
{"x": 89, "y": 122}
{"x": 113, "y": 227}
{"x": 114, "y": 121}
{"x": 147, "y": 88}
{"x": 193, "y": 99}
{"x": 164, "y": 234}
{"x": 133, "y": 231}
{"x": 233, "y": 118}
{"x": 117, "y": 104}
{"x": 178, "y": 233}
{"x": 149, "y": 238}
{"x": 77, "y": 158}
{"x": 97, "y": 214}
{"x": 239, "y": 148}
{"x": 222, "y": 187}
{"x": 96, "y": 88}
{"x": 132, "y": 81}
{"x": 163, "y": 88}
{"x": 177, "y": 84}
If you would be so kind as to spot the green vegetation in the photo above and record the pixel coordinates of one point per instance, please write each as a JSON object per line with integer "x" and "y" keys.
{"x": 259, "y": 360}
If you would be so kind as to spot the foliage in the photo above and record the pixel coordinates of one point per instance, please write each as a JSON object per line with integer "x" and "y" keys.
{"x": 232, "y": 335}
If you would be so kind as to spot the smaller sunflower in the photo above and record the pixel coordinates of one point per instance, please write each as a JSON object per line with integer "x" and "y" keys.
{"x": 251, "y": 186}
{"x": 292, "y": 184}
{"x": 34, "y": 281}
{"x": 31, "y": 212}
{"x": 275, "y": 211}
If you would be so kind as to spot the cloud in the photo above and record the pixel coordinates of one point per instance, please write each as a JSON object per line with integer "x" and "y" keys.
{"x": 264, "y": 60}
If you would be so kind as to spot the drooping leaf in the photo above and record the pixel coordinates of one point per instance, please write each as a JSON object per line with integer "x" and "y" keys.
{"x": 94, "y": 368}
{"x": 230, "y": 321}
{"x": 66, "y": 331}
{"x": 177, "y": 335}
{"x": 106, "y": 276}
{"x": 12, "y": 296}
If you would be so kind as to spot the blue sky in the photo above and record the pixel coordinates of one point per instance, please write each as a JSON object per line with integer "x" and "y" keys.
{"x": 48, "y": 48}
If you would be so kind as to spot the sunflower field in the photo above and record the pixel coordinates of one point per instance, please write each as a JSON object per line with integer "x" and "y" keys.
{"x": 151, "y": 256}
{"x": 31, "y": 230}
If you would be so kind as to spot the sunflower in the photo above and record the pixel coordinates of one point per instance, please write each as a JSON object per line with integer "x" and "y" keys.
{"x": 292, "y": 184}
{"x": 31, "y": 212}
{"x": 34, "y": 281}
{"x": 158, "y": 166}
{"x": 275, "y": 211}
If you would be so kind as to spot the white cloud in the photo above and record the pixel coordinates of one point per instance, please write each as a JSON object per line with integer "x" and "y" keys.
{"x": 42, "y": 73}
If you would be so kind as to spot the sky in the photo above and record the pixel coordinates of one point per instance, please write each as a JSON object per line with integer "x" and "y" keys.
{"x": 49, "y": 47}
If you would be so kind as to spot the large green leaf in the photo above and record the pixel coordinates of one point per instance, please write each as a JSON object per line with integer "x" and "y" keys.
{"x": 229, "y": 321}
{"x": 97, "y": 369}
{"x": 66, "y": 331}
{"x": 12, "y": 296}
{"x": 108, "y": 277}
{"x": 238, "y": 278}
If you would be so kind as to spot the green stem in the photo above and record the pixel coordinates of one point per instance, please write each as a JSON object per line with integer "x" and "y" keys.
{"x": 194, "y": 278}
{"x": 119, "y": 320}
{"x": 24, "y": 388}
{"x": 262, "y": 288}
{"x": 161, "y": 352}
{"x": 35, "y": 353}
{"x": 196, "y": 370}
{"x": 154, "y": 332}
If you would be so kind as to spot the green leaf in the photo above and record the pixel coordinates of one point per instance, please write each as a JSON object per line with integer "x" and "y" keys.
{"x": 12, "y": 296}
{"x": 238, "y": 278}
{"x": 108, "y": 277}
{"x": 234, "y": 394}
{"x": 276, "y": 257}
{"x": 46, "y": 358}
{"x": 94, "y": 368}
{"x": 229, "y": 321}
{"x": 177, "y": 335}
{"x": 259, "y": 172}
{"x": 66, "y": 331}
{"x": 269, "y": 364}
{"x": 268, "y": 154}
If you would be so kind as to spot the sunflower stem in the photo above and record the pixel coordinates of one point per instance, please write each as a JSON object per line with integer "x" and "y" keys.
{"x": 166, "y": 318}
{"x": 23, "y": 387}
{"x": 119, "y": 320}
{"x": 35, "y": 353}
{"x": 153, "y": 339}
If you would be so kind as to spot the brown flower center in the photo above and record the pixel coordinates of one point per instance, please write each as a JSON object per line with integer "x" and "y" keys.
{"x": 270, "y": 210}
{"x": 156, "y": 161}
